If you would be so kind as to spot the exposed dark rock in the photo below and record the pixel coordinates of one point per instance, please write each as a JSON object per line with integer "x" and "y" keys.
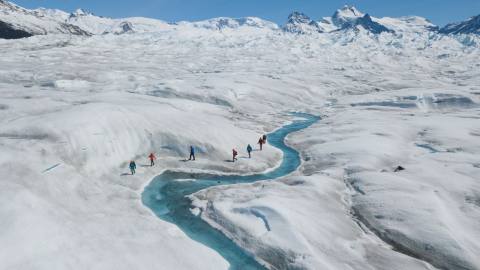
{"x": 9, "y": 32}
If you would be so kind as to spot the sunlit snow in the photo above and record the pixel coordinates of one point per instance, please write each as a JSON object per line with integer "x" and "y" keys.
{"x": 74, "y": 110}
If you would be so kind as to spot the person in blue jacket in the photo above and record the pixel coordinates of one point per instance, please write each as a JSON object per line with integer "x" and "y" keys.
{"x": 192, "y": 153}
{"x": 249, "y": 150}
{"x": 132, "y": 166}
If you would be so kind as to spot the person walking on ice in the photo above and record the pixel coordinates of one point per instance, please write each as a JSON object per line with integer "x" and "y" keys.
{"x": 192, "y": 153}
{"x": 152, "y": 158}
{"x": 234, "y": 154}
{"x": 133, "y": 167}
{"x": 264, "y": 138}
{"x": 249, "y": 150}
{"x": 261, "y": 142}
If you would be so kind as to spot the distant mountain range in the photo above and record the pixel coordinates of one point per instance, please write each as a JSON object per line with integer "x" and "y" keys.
{"x": 18, "y": 22}
{"x": 471, "y": 26}
{"x": 346, "y": 18}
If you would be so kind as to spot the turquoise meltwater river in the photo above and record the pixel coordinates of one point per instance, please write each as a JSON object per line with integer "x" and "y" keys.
{"x": 167, "y": 197}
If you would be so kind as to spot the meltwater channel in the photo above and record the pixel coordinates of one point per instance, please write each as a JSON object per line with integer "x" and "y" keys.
{"x": 167, "y": 197}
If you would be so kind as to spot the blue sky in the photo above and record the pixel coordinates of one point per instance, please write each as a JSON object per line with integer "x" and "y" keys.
{"x": 439, "y": 12}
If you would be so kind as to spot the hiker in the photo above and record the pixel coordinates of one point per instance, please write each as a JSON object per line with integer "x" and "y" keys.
{"x": 264, "y": 138}
{"x": 234, "y": 154}
{"x": 132, "y": 166}
{"x": 249, "y": 150}
{"x": 192, "y": 153}
{"x": 152, "y": 159}
{"x": 261, "y": 142}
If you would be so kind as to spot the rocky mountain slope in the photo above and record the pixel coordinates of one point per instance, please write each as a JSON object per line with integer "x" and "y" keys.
{"x": 470, "y": 26}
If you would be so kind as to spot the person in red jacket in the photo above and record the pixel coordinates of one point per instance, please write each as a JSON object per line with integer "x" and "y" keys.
{"x": 234, "y": 154}
{"x": 261, "y": 142}
{"x": 152, "y": 158}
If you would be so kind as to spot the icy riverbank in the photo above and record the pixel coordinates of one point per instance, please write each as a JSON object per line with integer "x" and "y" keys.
{"x": 168, "y": 197}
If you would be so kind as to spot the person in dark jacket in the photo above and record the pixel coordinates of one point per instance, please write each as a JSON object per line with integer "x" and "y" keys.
{"x": 261, "y": 142}
{"x": 249, "y": 150}
{"x": 264, "y": 138}
{"x": 234, "y": 154}
{"x": 192, "y": 153}
{"x": 133, "y": 167}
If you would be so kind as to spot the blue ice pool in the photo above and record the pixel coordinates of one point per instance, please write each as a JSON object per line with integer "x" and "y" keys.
{"x": 166, "y": 196}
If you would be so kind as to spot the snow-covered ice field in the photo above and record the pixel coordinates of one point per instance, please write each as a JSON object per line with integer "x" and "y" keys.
{"x": 75, "y": 110}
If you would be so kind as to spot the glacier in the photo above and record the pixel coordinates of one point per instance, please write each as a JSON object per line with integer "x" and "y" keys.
{"x": 78, "y": 103}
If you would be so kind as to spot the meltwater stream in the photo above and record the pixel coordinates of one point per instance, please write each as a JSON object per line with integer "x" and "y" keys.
{"x": 167, "y": 197}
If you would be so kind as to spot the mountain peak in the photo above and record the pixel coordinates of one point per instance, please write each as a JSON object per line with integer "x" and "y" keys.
{"x": 470, "y": 26}
{"x": 350, "y": 11}
{"x": 346, "y": 15}
{"x": 300, "y": 23}
{"x": 345, "y": 18}
{"x": 298, "y": 17}
{"x": 81, "y": 12}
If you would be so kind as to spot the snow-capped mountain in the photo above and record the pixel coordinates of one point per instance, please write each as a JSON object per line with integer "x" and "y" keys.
{"x": 470, "y": 26}
{"x": 412, "y": 24}
{"x": 231, "y": 23}
{"x": 350, "y": 18}
{"x": 121, "y": 28}
{"x": 80, "y": 12}
{"x": 346, "y": 18}
{"x": 368, "y": 24}
{"x": 18, "y": 22}
{"x": 90, "y": 22}
{"x": 300, "y": 23}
